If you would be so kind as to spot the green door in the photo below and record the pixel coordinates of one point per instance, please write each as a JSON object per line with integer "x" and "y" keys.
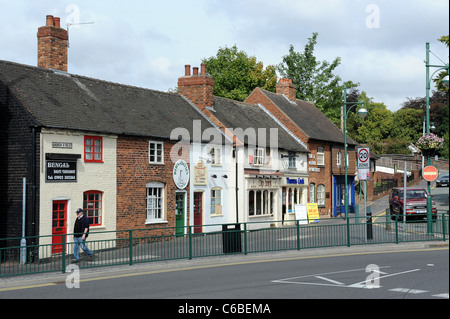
{"x": 179, "y": 213}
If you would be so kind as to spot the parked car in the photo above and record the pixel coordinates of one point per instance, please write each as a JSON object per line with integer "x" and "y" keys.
{"x": 416, "y": 203}
{"x": 442, "y": 180}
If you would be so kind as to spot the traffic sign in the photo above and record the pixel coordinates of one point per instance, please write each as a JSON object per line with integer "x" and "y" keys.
{"x": 363, "y": 158}
{"x": 430, "y": 173}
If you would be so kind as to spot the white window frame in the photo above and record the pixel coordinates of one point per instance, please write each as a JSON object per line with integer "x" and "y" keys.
{"x": 216, "y": 201}
{"x": 258, "y": 158}
{"x": 215, "y": 152}
{"x": 292, "y": 160}
{"x": 154, "y": 146}
{"x": 320, "y": 156}
{"x": 321, "y": 195}
{"x": 155, "y": 210}
{"x": 339, "y": 159}
{"x": 312, "y": 192}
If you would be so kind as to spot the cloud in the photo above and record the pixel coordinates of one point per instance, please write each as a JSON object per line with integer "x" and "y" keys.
{"x": 147, "y": 43}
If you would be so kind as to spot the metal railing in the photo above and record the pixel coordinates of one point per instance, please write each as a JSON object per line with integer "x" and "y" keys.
{"x": 162, "y": 244}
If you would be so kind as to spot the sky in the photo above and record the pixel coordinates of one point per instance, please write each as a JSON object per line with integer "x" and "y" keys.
{"x": 381, "y": 43}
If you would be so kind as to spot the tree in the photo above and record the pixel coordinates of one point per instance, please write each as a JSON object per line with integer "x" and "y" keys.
{"x": 236, "y": 74}
{"x": 315, "y": 80}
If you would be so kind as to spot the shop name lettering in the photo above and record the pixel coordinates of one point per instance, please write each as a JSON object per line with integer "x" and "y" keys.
{"x": 60, "y": 171}
{"x": 295, "y": 180}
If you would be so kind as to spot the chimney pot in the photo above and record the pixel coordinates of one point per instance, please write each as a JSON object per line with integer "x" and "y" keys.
{"x": 195, "y": 70}
{"x": 203, "y": 69}
{"x": 187, "y": 70}
{"x": 56, "y": 22}
{"x": 50, "y": 22}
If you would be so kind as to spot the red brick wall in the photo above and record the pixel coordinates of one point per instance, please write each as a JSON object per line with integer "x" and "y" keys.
{"x": 133, "y": 173}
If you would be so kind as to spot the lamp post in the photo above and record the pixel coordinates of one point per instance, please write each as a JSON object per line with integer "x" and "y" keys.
{"x": 427, "y": 95}
{"x": 362, "y": 112}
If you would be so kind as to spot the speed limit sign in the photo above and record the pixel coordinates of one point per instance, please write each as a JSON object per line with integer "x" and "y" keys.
{"x": 363, "y": 158}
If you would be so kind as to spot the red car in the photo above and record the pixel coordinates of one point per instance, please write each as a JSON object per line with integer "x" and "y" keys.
{"x": 416, "y": 203}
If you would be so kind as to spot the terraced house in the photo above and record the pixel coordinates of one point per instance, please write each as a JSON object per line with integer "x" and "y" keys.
{"x": 141, "y": 159}
{"x": 83, "y": 142}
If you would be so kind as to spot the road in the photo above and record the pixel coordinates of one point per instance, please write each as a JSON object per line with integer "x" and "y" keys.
{"x": 380, "y": 274}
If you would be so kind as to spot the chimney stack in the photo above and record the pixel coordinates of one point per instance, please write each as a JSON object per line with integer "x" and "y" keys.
{"x": 286, "y": 87}
{"x": 52, "y": 45}
{"x": 197, "y": 88}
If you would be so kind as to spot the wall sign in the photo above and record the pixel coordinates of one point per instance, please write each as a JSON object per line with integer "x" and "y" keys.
{"x": 181, "y": 174}
{"x": 61, "y": 167}
{"x": 200, "y": 177}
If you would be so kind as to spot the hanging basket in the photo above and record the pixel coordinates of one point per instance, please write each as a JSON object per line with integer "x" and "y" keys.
{"x": 430, "y": 144}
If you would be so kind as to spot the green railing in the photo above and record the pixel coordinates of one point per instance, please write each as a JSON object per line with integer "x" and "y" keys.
{"x": 161, "y": 244}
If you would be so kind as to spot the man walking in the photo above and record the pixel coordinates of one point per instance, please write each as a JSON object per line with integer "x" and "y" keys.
{"x": 81, "y": 230}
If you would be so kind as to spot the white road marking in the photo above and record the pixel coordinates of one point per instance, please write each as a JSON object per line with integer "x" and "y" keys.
{"x": 409, "y": 291}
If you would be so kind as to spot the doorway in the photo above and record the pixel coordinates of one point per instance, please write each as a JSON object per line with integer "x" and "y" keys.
{"x": 198, "y": 212}
{"x": 59, "y": 219}
{"x": 180, "y": 210}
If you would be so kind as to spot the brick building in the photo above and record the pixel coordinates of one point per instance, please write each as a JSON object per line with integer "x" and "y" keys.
{"x": 325, "y": 143}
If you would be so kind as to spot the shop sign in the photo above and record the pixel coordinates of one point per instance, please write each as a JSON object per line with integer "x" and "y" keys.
{"x": 61, "y": 171}
{"x": 299, "y": 180}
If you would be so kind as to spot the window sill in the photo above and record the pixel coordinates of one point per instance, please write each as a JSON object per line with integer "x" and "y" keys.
{"x": 149, "y": 222}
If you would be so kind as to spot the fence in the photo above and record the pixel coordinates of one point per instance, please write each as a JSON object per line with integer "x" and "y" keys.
{"x": 136, "y": 246}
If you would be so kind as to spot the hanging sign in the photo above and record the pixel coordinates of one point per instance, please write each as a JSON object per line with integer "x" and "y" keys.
{"x": 181, "y": 174}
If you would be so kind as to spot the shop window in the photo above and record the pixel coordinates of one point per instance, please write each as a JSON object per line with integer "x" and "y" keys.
{"x": 260, "y": 202}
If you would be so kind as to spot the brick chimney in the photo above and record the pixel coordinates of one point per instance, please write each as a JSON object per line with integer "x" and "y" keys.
{"x": 197, "y": 88}
{"x": 52, "y": 45}
{"x": 286, "y": 87}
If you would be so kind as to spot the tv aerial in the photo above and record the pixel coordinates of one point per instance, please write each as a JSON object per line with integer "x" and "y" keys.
{"x": 71, "y": 24}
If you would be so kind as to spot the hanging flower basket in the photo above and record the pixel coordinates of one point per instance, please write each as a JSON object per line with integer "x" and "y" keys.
{"x": 429, "y": 144}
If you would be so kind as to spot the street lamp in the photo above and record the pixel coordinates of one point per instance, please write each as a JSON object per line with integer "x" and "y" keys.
{"x": 362, "y": 113}
{"x": 428, "y": 84}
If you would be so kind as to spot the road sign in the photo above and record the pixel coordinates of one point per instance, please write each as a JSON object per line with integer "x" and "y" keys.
{"x": 363, "y": 158}
{"x": 430, "y": 173}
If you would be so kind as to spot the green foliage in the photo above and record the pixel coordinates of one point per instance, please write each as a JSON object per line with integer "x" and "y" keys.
{"x": 315, "y": 80}
{"x": 236, "y": 74}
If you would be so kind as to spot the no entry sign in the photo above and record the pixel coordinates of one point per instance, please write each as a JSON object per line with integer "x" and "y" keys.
{"x": 430, "y": 173}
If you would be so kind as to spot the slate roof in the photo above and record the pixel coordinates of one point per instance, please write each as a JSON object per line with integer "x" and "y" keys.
{"x": 60, "y": 100}
{"x": 240, "y": 115}
{"x": 310, "y": 119}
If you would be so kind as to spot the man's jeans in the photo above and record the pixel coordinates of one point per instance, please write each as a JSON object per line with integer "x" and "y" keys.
{"x": 78, "y": 242}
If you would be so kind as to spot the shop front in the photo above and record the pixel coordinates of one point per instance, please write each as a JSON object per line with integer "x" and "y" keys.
{"x": 294, "y": 190}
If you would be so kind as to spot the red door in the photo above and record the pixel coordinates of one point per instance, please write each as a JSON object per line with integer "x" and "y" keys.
{"x": 198, "y": 208}
{"x": 59, "y": 216}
